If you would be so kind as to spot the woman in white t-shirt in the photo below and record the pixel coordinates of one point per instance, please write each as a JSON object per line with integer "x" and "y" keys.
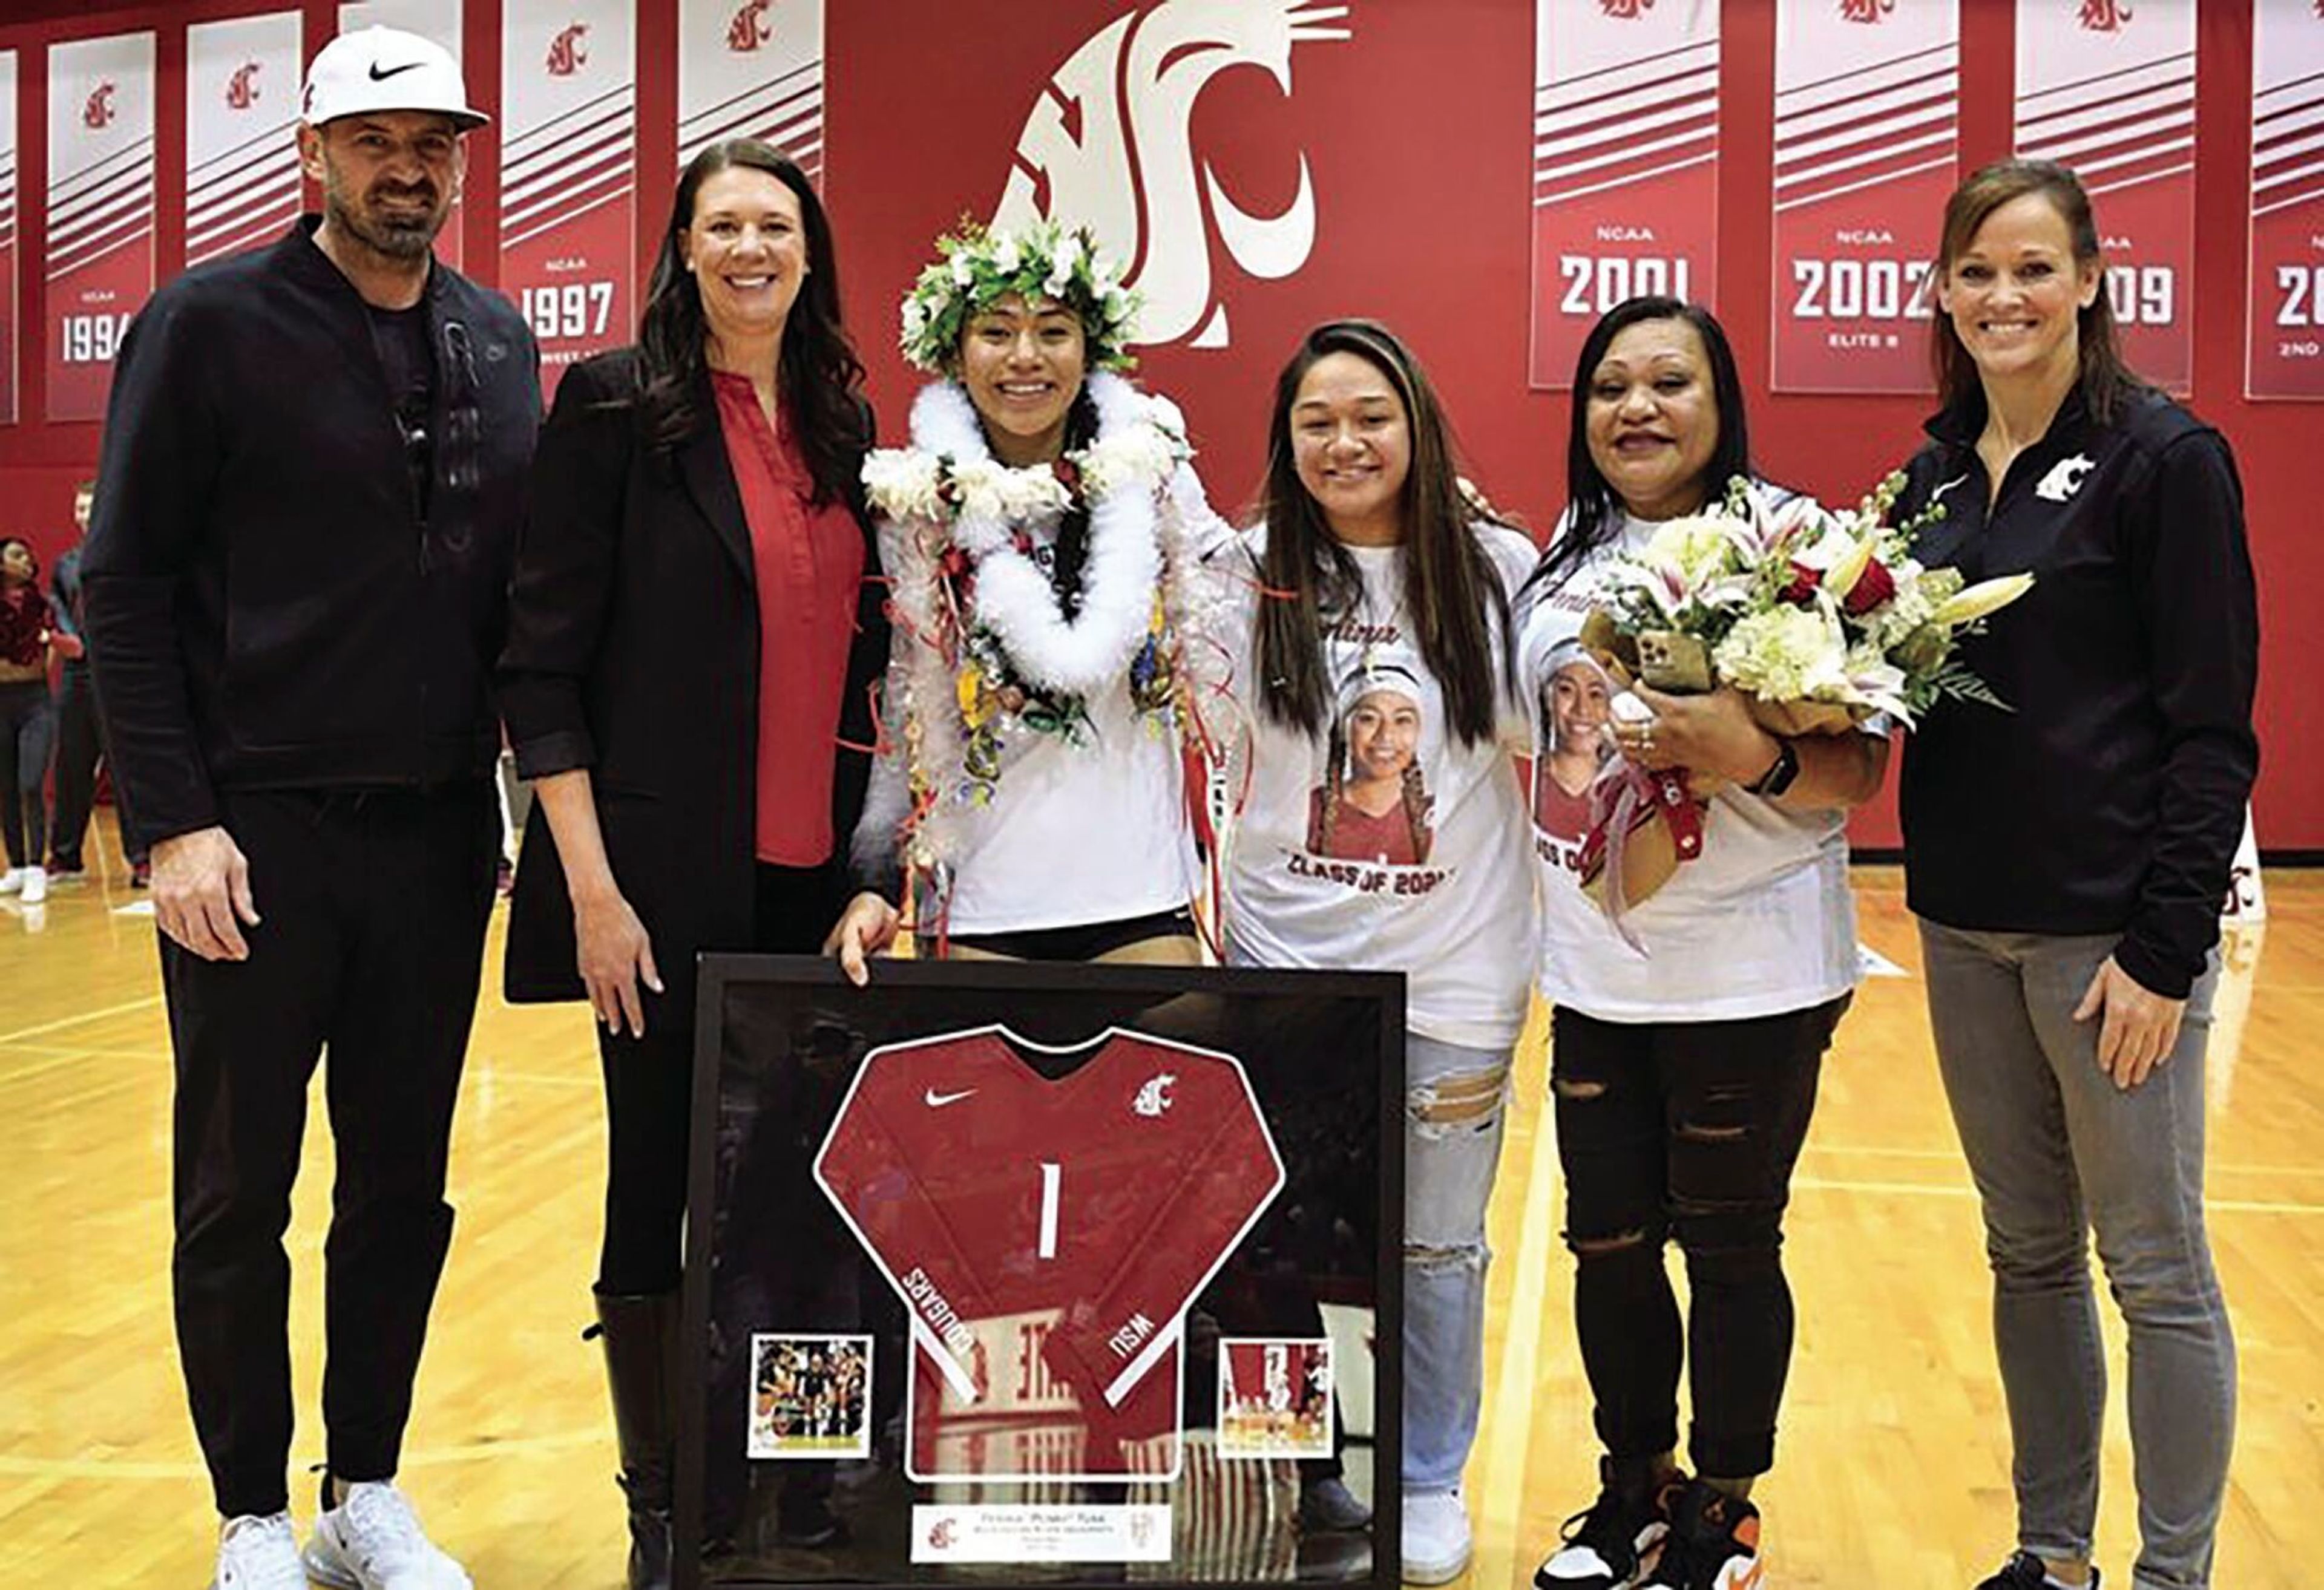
{"x": 1382, "y": 809}
{"x": 1683, "y": 1070}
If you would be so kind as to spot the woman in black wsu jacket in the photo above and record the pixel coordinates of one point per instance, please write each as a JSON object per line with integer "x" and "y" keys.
{"x": 695, "y": 629}
{"x": 2068, "y": 858}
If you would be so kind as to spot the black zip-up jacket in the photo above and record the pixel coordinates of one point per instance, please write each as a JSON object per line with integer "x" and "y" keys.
{"x": 2110, "y": 798}
{"x": 266, "y": 607}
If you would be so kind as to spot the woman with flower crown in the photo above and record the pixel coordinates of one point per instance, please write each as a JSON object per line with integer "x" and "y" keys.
{"x": 1687, "y": 1040}
{"x": 1037, "y": 529}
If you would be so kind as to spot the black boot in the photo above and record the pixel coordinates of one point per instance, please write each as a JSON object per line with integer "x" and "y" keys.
{"x": 641, "y": 1336}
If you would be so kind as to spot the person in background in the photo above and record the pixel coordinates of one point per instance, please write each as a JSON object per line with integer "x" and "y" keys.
{"x": 2068, "y": 858}
{"x": 313, "y": 469}
{"x": 1684, "y": 1067}
{"x": 80, "y": 739}
{"x": 696, "y": 625}
{"x": 28, "y": 720}
{"x": 1372, "y": 608}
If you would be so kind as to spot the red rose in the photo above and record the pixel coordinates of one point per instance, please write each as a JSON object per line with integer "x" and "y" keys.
{"x": 1800, "y": 592}
{"x": 1874, "y": 586}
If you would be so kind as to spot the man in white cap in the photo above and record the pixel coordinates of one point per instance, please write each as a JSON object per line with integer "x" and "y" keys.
{"x": 313, "y": 471}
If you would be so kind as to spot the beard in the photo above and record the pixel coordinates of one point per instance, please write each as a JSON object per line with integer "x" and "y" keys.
{"x": 396, "y": 234}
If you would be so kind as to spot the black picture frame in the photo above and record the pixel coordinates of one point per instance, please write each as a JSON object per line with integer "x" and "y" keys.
{"x": 773, "y": 1032}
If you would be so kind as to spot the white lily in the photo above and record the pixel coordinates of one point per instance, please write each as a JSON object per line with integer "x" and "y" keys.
{"x": 1982, "y": 600}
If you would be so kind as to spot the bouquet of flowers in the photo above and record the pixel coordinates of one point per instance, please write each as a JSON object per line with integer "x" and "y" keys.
{"x": 1820, "y": 619}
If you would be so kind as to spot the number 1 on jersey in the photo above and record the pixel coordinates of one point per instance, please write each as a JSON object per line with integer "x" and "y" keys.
{"x": 1051, "y": 1173}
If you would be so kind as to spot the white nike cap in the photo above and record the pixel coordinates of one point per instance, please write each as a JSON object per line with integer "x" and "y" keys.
{"x": 385, "y": 69}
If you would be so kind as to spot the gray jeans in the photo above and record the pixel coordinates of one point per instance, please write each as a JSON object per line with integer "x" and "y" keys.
{"x": 2057, "y": 1152}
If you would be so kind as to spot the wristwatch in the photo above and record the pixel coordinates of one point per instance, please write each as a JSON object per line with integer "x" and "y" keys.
{"x": 1780, "y": 774}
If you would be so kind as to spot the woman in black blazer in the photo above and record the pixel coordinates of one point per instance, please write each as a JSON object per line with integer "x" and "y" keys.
{"x": 695, "y": 626}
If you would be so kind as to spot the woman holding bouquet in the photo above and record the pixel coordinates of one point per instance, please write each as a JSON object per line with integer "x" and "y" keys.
{"x": 2067, "y": 860}
{"x": 1037, "y": 529}
{"x": 1686, "y": 1043}
{"x": 1382, "y": 809}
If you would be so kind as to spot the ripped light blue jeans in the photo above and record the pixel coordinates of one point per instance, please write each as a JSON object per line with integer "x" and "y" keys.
{"x": 1455, "y": 1102}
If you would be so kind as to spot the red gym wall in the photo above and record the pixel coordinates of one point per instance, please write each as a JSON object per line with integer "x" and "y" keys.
{"x": 1415, "y": 128}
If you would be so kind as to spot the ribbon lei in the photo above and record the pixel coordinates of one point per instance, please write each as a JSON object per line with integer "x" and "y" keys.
{"x": 1626, "y": 798}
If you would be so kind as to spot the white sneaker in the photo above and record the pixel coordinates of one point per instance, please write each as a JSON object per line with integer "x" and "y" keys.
{"x": 373, "y": 1541}
{"x": 258, "y": 1553}
{"x": 36, "y": 885}
{"x": 12, "y": 880}
{"x": 1436, "y": 1539}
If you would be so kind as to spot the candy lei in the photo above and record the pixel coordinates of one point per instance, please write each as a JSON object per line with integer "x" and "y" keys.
{"x": 992, "y": 654}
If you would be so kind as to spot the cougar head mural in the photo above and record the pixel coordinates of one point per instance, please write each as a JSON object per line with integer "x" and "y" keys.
{"x": 1109, "y": 144}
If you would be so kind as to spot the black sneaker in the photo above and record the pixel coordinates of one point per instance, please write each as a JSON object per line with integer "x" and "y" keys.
{"x": 2024, "y": 1572}
{"x": 1713, "y": 1542}
{"x": 1608, "y": 1546}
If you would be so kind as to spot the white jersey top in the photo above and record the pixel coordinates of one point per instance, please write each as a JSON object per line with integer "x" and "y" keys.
{"x": 1384, "y": 843}
{"x": 1761, "y": 923}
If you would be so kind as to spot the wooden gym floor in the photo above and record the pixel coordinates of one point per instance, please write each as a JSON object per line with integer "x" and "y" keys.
{"x": 1893, "y": 1458}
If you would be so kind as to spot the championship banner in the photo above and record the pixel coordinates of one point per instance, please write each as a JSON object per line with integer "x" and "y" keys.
{"x": 11, "y": 294}
{"x": 242, "y": 154}
{"x": 1868, "y": 113}
{"x": 100, "y": 263}
{"x": 1624, "y": 165}
{"x": 2284, "y": 358}
{"x": 751, "y": 69}
{"x": 430, "y": 19}
{"x": 2108, "y": 87}
{"x": 568, "y": 172}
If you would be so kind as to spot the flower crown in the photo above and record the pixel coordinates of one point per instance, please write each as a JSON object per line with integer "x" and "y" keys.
{"x": 976, "y": 266}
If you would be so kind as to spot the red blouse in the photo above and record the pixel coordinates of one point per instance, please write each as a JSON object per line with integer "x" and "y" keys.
{"x": 809, "y": 565}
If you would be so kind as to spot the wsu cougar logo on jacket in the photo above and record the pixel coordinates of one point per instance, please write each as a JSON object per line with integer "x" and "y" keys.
{"x": 1110, "y": 145}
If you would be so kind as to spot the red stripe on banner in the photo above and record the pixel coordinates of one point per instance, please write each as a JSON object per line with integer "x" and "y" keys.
{"x": 804, "y": 106}
{"x": 1684, "y": 83}
{"x": 1597, "y": 173}
{"x": 615, "y": 166}
{"x": 1926, "y": 100}
{"x": 280, "y": 189}
{"x": 89, "y": 245}
{"x": 812, "y": 71}
{"x": 2176, "y": 96}
{"x": 1696, "y": 115}
{"x": 568, "y": 208}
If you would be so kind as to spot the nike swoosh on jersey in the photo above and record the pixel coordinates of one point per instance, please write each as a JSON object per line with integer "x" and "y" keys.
{"x": 936, "y": 1100}
{"x": 378, "y": 76}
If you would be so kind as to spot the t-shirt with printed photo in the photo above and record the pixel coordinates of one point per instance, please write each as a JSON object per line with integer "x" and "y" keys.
{"x": 1762, "y": 922}
{"x": 1383, "y": 841}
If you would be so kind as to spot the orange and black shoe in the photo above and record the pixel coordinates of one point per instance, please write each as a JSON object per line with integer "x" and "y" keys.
{"x": 1610, "y": 1545}
{"x": 1714, "y": 1543}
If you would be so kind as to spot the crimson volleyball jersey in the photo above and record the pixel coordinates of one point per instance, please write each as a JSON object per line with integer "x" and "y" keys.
{"x": 1045, "y": 1237}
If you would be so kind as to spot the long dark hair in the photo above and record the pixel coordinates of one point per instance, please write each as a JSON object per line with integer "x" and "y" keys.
{"x": 1451, "y": 594}
{"x": 34, "y": 579}
{"x": 821, "y": 378}
{"x": 1593, "y": 512}
{"x": 2105, "y": 380}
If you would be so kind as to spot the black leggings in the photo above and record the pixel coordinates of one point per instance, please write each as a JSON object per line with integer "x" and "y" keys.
{"x": 1685, "y": 1129}
{"x": 649, "y": 1087}
{"x": 28, "y": 720}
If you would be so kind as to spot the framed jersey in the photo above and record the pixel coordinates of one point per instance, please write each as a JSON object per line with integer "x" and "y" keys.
{"x": 986, "y": 1264}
